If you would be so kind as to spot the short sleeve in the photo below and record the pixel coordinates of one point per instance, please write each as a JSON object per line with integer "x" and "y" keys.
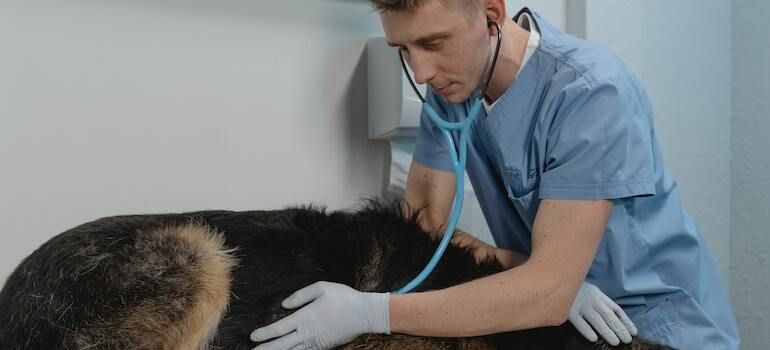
{"x": 600, "y": 144}
{"x": 431, "y": 148}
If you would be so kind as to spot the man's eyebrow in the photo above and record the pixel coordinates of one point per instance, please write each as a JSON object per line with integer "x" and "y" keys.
{"x": 426, "y": 39}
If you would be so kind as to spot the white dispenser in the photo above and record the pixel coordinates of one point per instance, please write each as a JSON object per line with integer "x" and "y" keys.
{"x": 394, "y": 109}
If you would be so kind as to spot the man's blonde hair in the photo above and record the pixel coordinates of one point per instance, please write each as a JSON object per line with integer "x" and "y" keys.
{"x": 396, "y": 5}
{"x": 470, "y": 6}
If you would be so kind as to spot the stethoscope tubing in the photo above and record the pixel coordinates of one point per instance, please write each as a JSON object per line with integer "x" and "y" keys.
{"x": 459, "y": 158}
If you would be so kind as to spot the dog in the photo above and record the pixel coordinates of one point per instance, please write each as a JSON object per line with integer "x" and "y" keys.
{"x": 207, "y": 279}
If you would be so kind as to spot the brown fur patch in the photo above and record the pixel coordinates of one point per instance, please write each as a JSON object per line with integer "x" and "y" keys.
{"x": 184, "y": 323}
{"x": 200, "y": 323}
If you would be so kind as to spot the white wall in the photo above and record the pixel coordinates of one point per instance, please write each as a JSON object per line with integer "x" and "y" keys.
{"x": 112, "y": 107}
{"x": 751, "y": 171}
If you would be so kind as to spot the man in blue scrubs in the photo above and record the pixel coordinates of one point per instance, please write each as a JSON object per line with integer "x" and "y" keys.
{"x": 568, "y": 170}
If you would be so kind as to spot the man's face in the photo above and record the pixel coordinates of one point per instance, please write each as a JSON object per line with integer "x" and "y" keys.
{"x": 443, "y": 46}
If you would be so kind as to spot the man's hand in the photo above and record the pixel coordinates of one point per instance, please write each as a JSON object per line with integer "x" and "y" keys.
{"x": 593, "y": 310}
{"x": 482, "y": 251}
{"x": 335, "y": 314}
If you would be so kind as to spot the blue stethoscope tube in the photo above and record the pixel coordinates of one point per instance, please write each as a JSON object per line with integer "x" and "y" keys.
{"x": 459, "y": 157}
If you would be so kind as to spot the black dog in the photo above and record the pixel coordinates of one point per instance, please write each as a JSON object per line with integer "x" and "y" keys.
{"x": 205, "y": 280}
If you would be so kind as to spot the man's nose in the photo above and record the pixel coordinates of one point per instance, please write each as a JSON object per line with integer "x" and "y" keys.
{"x": 422, "y": 67}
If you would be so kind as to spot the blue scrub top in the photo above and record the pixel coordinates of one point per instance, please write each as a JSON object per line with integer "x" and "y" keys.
{"x": 577, "y": 124}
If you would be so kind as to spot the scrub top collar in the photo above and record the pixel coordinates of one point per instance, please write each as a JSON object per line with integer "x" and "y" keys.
{"x": 524, "y": 87}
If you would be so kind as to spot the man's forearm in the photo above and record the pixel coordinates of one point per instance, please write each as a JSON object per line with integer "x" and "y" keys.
{"x": 489, "y": 305}
{"x": 565, "y": 237}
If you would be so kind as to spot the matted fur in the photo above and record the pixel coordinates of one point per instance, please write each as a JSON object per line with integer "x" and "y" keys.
{"x": 207, "y": 279}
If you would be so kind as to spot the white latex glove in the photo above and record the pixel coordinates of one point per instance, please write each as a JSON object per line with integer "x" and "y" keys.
{"x": 593, "y": 307}
{"x": 335, "y": 314}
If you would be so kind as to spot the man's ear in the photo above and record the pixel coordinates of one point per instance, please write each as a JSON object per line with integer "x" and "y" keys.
{"x": 495, "y": 12}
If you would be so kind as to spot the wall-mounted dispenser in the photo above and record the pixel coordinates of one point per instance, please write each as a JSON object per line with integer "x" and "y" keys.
{"x": 394, "y": 109}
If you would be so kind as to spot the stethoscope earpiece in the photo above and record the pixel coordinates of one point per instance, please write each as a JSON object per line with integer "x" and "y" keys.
{"x": 494, "y": 58}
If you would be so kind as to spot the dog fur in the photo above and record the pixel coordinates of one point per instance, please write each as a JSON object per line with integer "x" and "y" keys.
{"x": 205, "y": 280}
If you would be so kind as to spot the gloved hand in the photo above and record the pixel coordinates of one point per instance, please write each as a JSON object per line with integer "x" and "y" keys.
{"x": 593, "y": 307}
{"x": 335, "y": 314}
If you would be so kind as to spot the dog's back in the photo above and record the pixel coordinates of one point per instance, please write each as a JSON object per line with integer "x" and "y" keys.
{"x": 205, "y": 280}
{"x": 373, "y": 249}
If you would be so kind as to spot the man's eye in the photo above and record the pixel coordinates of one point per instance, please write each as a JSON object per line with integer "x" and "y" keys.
{"x": 432, "y": 46}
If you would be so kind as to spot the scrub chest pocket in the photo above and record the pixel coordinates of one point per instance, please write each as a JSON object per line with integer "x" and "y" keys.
{"x": 523, "y": 191}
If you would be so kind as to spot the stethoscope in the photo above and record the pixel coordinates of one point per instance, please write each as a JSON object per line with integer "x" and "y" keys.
{"x": 459, "y": 157}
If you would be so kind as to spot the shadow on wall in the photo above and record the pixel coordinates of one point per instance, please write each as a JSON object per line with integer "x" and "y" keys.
{"x": 357, "y": 140}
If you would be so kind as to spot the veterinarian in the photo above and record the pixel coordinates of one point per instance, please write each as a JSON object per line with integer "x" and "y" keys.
{"x": 568, "y": 170}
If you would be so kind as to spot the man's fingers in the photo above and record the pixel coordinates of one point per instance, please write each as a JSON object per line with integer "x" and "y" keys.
{"x": 624, "y": 318}
{"x": 597, "y": 322}
{"x": 276, "y": 329}
{"x": 289, "y": 341}
{"x": 585, "y": 329}
{"x": 303, "y": 296}
{"x": 614, "y": 323}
